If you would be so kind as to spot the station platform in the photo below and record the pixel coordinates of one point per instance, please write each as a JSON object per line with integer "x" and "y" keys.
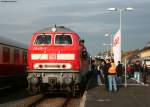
{"x": 133, "y": 95}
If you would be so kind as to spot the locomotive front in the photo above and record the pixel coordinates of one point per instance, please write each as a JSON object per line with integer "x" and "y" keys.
{"x": 54, "y": 61}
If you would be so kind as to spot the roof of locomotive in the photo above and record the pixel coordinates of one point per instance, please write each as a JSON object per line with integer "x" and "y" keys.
{"x": 58, "y": 29}
{"x": 12, "y": 43}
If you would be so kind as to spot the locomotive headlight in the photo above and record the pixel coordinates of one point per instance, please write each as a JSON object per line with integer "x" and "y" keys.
{"x": 68, "y": 66}
{"x": 36, "y": 66}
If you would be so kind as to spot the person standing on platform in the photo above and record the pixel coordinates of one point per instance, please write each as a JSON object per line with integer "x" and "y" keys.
{"x": 119, "y": 70}
{"x": 102, "y": 70}
{"x": 137, "y": 71}
{"x": 129, "y": 70}
{"x": 99, "y": 75}
{"x": 112, "y": 77}
{"x": 93, "y": 65}
{"x": 145, "y": 73}
{"x": 95, "y": 71}
{"x": 105, "y": 72}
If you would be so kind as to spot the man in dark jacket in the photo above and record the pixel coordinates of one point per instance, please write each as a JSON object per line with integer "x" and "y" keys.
{"x": 104, "y": 67}
{"x": 119, "y": 70}
{"x": 145, "y": 73}
{"x": 137, "y": 68}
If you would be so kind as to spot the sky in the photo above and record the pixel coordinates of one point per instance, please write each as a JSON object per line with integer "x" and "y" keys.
{"x": 89, "y": 18}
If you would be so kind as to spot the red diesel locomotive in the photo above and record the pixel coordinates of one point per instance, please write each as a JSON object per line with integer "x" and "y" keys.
{"x": 57, "y": 60}
{"x": 13, "y": 62}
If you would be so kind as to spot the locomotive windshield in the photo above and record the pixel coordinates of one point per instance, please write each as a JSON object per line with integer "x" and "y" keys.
{"x": 63, "y": 39}
{"x": 43, "y": 39}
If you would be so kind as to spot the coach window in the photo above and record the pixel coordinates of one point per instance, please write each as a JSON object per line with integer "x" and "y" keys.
{"x": 16, "y": 56}
{"x": 63, "y": 39}
{"x": 6, "y": 55}
{"x": 43, "y": 39}
{"x": 24, "y": 57}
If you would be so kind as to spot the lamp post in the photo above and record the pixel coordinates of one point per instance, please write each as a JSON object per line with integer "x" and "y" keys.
{"x": 120, "y": 14}
{"x": 111, "y": 48}
{"x": 120, "y": 26}
{"x": 107, "y": 50}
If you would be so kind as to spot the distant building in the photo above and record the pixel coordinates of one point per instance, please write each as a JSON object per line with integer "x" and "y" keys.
{"x": 145, "y": 54}
{"x": 131, "y": 56}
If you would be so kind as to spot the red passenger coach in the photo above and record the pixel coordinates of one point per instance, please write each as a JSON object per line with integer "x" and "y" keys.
{"x": 13, "y": 61}
{"x": 57, "y": 60}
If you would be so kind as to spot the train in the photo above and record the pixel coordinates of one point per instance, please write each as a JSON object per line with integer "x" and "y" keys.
{"x": 57, "y": 61}
{"x": 13, "y": 62}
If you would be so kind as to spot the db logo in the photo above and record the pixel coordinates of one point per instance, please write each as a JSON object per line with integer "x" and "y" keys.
{"x": 116, "y": 41}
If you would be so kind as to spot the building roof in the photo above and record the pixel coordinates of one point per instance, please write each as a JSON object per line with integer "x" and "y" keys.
{"x": 147, "y": 46}
{"x": 58, "y": 29}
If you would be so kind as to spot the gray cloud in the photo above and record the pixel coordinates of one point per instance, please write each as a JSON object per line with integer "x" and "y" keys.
{"x": 88, "y": 18}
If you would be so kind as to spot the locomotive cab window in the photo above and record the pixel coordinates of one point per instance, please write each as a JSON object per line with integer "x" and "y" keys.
{"x": 63, "y": 39}
{"x": 43, "y": 39}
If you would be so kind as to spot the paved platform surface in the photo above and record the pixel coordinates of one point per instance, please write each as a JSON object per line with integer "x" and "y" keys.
{"x": 134, "y": 95}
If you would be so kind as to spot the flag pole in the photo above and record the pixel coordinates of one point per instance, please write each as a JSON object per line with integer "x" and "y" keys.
{"x": 125, "y": 83}
{"x": 120, "y": 12}
{"x": 125, "y": 78}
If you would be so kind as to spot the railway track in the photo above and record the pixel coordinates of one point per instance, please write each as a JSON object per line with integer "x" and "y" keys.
{"x": 26, "y": 102}
{"x": 22, "y": 99}
{"x": 55, "y": 101}
{"x": 44, "y": 101}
